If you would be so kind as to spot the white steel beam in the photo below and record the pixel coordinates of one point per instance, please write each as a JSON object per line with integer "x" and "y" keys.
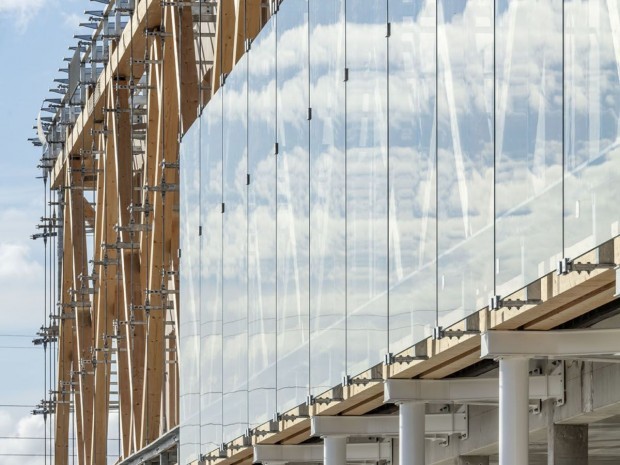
{"x": 314, "y": 453}
{"x": 467, "y": 390}
{"x": 557, "y": 344}
{"x": 385, "y": 425}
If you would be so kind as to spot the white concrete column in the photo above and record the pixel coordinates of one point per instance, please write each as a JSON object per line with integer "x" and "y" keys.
{"x": 335, "y": 450}
{"x": 513, "y": 411}
{"x": 411, "y": 433}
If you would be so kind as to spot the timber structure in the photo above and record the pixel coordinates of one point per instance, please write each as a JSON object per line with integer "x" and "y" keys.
{"x": 111, "y": 157}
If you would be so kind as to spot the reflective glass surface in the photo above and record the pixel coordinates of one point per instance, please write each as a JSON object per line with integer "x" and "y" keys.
{"x": 591, "y": 116}
{"x": 327, "y": 195}
{"x": 371, "y": 169}
{"x": 189, "y": 331}
{"x": 262, "y": 226}
{"x": 366, "y": 190}
{"x": 529, "y": 141}
{"x": 412, "y": 183}
{"x": 235, "y": 239}
{"x": 211, "y": 280}
{"x": 464, "y": 157}
{"x": 293, "y": 208}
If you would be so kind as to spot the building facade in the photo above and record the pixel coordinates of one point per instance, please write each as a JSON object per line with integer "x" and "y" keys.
{"x": 373, "y": 172}
{"x": 335, "y": 231}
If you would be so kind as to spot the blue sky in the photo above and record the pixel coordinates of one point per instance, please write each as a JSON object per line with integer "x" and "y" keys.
{"x": 34, "y": 36}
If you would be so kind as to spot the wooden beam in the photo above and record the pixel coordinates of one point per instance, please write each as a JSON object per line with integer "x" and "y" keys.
{"x": 159, "y": 254}
{"x": 84, "y": 331}
{"x": 65, "y": 352}
{"x": 253, "y": 13}
{"x": 240, "y": 26}
{"x": 185, "y": 63}
{"x": 224, "y": 42}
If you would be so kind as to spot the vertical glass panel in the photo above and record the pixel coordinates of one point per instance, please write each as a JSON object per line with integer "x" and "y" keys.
{"x": 262, "y": 226}
{"x": 190, "y": 296}
{"x": 465, "y": 157}
{"x": 211, "y": 290}
{"x": 293, "y": 213}
{"x": 235, "y": 241}
{"x": 327, "y": 195}
{"x": 367, "y": 174}
{"x": 592, "y": 109}
{"x": 529, "y": 141}
{"x": 412, "y": 147}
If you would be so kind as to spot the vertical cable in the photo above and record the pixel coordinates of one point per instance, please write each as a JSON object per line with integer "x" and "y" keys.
{"x": 563, "y": 209}
{"x": 387, "y": 191}
{"x": 247, "y": 211}
{"x": 437, "y": 162}
{"x": 197, "y": 306}
{"x": 221, "y": 90}
{"x": 275, "y": 54}
{"x": 309, "y": 389}
{"x": 495, "y": 263}
{"x": 45, "y": 272}
{"x": 346, "y": 199}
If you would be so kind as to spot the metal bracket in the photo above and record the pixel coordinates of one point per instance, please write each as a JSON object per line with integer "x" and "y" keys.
{"x": 34, "y": 237}
{"x": 351, "y": 381}
{"x": 82, "y": 291}
{"x": 566, "y": 266}
{"x": 289, "y": 416}
{"x": 147, "y": 307}
{"x": 441, "y": 439}
{"x": 497, "y": 302}
{"x": 139, "y": 208}
{"x": 162, "y": 291}
{"x": 312, "y": 400}
{"x": 439, "y": 333}
{"x": 518, "y": 303}
{"x": 163, "y": 187}
{"x": 105, "y": 262}
{"x": 121, "y": 245}
{"x": 133, "y": 228}
{"x": 170, "y": 165}
{"x": 391, "y": 359}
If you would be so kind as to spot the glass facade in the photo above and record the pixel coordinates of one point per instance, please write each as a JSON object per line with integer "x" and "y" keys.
{"x": 372, "y": 169}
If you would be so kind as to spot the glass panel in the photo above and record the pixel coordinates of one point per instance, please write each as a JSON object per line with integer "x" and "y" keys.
{"x": 235, "y": 253}
{"x": 412, "y": 181}
{"x": 367, "y": 201}
{"x": 293, "y": 208}
{"x": 465, "y": 157}
{"x": 211, "y": 291}
{"x": 190, "y": 296}
{"x": 529, "y": 141}
{"x": 327, "y": 195}
{"x": 592, "y": 108}
{"x": 262, "y": 227}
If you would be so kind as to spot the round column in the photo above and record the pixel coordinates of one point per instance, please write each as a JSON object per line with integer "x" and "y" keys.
{"x": 334, "y": 450}
{"x": 513, "y": 411}
{"x": 411, "y": 433}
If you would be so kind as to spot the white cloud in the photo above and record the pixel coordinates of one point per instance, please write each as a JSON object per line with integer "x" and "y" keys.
{"x": 22, "y": 10}
{"x": 72, "y": 20}
{"x": 15, "y": 262}
{"x": 22, "y": 430}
